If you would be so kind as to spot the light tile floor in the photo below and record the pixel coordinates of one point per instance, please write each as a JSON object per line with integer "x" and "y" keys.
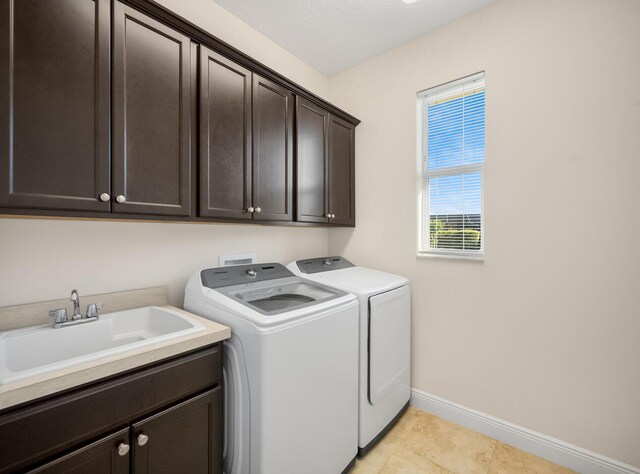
{"x": 423, "y": 443}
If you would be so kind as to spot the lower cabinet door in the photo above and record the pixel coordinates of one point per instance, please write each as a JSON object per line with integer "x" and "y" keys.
{"x": 184, "y": 438}
{"x": 109, "y": 455}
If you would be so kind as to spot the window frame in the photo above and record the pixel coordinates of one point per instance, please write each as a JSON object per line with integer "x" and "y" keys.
{"x": 423, "y": 176}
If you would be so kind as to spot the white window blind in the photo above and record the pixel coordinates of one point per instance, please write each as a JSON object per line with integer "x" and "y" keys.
{"x": 451, "y": 126}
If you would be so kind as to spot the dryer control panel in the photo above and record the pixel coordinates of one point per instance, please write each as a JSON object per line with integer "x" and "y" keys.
{"x": 323, "y": 264}
{"x": 238, "y": 274}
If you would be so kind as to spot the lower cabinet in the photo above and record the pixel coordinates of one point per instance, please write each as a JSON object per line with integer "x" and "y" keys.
{"x": 182, "y": 438}
{"x": 166, "y": 418}
{"x": 108, "y": 455}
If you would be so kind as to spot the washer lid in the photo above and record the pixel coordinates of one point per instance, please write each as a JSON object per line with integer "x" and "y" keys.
{"x": 269, "y": 289}
{"x": 359, "y": 280}
{"x": 275, "y": 297}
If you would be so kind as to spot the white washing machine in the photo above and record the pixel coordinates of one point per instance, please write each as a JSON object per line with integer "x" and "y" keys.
{"x": 290, "y": 366}
{"x": 385, "y": 340}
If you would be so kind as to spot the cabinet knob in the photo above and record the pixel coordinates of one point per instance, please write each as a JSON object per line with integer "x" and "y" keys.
{"x": 328, "y": 216}
{"x": 333, "y": 216}
{"x": 250, "y": 209}
{"x": 123, "y": 449}
{"x": 142, "y": 439}
{"x": 104, "y": 197}
{"x": 120, "y": 199}
{"x": 258, "y": 210}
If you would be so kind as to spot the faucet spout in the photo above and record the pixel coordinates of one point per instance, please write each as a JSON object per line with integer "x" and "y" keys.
{"x": 75, "y": 298}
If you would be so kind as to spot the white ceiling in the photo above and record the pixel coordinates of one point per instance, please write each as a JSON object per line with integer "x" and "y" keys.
{"x": 333, "y": 35}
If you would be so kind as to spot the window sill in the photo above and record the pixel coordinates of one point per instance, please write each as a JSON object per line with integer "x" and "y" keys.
{"x": 446, "y": 256}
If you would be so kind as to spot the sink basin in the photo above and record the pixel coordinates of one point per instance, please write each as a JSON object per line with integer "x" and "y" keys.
{"x": 37, "y": 350}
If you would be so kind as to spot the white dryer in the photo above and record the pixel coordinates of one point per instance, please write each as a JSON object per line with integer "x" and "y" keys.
{"x": 385, "y": 340}
{"x": 290, "y": 368}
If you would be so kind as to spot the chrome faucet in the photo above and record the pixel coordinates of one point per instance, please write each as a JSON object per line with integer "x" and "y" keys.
{"x": 75, "y": 297}
{"x": 60, "y": 318}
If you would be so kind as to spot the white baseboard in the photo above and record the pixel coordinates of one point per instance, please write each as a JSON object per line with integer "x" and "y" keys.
{"x": 559, "y": 452}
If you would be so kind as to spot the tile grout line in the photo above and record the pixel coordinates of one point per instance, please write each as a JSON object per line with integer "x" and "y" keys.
{"x": 400, "y": 443}
{"x": 384, "y": 463}
{"x": 493, "y": 454}
{"x": 415, "y": 422}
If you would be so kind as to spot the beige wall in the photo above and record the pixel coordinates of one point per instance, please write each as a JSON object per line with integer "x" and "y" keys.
{"x": 546, "y": 332}
{"x": 45, "y": 259}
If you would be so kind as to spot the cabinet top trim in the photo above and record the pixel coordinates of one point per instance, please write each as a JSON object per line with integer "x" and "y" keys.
{"x": 207, "y": 39}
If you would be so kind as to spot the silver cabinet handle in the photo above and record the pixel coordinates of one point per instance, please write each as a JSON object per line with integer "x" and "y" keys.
{"x": 123, "y": 449}
{"x": 250, "y": 209}
{"x": 328, "y": 216}
{"x": 142, "y": 439}
{"x": 333, "y": 216}
{"x": 104, "y": 197}
{"x": 258, "y": 210}
{"x": 120, "y": 199}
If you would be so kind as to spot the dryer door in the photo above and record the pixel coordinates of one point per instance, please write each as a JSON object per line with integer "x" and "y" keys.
{"x": 389, "y": 342}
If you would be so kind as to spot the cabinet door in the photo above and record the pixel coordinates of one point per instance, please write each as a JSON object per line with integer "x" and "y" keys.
{"x": 54, "y": 104}
{"x": 151, "y": 115}
{"x": 101, "y": 457}
{"x": 184, "y": 438}
{"x": 341, "y": 171}
{"x": 225, "y": 137}
{"x": 272, "y": 150}
{"x": 312, "y": 198}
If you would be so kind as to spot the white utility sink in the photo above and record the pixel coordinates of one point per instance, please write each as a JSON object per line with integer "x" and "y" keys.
{"x": 37, "y": 350}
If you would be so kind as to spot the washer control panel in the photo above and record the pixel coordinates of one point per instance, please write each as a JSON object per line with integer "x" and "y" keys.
{"x": 238, "y": 274}
{"x": 323, "y": 264}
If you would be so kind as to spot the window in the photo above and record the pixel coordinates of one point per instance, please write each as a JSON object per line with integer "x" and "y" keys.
{"x": 451, "y": 168}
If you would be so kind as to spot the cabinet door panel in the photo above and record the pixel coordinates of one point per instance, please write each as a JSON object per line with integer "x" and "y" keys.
{"x": 151, "y": 123}
{"x": 54, "y": 104}
{"x": 100, "y": 457}
{"x": 225, "y": 137}
{"x": 311, "y": 162}
{"x": 341, "y": 171}
{"x": 272, "y": 150}
{"x": 184, "y": 438}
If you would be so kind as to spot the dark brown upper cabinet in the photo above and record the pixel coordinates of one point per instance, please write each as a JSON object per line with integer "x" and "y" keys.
{"x": 54, "y": 104}
{"x": 272, "y": 164}
{"x": 246, "y": 143}
{"x": 342, "y": 206}
{"x": 151, "y": 116}
{"x": 312, "y": 164}
{"x": 325, "y": 160}
{"x": 121, "y": 109}
{"x": 225, "y": 137}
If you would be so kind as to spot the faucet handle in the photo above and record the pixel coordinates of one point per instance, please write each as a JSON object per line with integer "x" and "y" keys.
{"x": 92, "y": 310}
{"x": 59, "y": 315}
